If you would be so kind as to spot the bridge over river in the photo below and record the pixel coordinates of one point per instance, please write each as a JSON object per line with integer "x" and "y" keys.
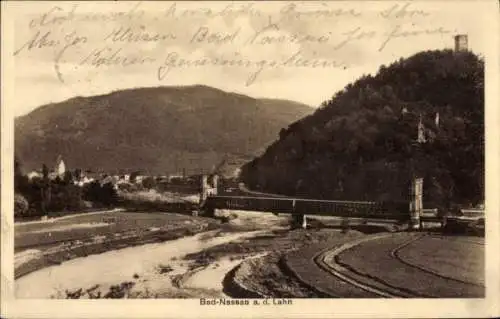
{"x": 247, "y": 200}
{"x": 394, "y": 211}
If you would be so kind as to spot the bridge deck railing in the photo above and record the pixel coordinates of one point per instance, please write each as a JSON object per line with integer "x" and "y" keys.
{"x": 362, "y": 209}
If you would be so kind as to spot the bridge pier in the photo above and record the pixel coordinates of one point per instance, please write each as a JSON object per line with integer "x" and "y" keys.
{"x": 208, "y": 188}
{"x": 299, "y": 221}
{"x": 209, "y": 212}
{"x": 416, "y": 203}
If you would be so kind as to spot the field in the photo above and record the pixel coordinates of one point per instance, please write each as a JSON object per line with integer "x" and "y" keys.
{"x": 459, "y": 258}
{"x": 423, "y": 266}
{"x": 83, "y": 226}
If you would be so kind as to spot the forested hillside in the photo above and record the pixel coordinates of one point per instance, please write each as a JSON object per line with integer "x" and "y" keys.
{"x": 362, "y": 145}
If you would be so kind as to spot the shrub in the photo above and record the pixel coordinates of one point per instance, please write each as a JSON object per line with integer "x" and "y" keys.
{"x": 119, "y": 291}
{"x": 21, "y": 206}
{"x": 149, "y": 182}
{"x": 125, "y": 187}
{"x": 163, "y": 269}
{"x": 133, "y": 176}
{"x": 344, "y": 225}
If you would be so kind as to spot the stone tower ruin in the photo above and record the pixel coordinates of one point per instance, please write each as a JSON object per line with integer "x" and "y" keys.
{"x": 461, "y": 42}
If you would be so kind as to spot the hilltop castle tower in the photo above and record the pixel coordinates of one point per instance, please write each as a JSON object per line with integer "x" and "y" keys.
{"x": 461, "y": 42}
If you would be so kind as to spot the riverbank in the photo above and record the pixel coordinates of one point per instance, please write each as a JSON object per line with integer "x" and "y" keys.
{"x": 144, "y": 259}
{"x": 158, "y": 255}
{"x": 146, "y": 271}
{"x": 42, "y": 244}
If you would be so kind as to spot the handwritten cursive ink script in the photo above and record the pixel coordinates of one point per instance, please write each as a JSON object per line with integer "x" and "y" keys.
{"x": 247, "y": 38}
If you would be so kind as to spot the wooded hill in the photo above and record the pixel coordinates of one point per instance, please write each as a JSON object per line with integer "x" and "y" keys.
{"x": 361, "y": 144}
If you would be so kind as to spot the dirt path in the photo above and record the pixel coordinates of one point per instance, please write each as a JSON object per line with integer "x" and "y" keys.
{"x": 149, "y": 270}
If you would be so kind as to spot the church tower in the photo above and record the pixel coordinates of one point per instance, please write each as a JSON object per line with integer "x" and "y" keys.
{"x": 60, "y": 167}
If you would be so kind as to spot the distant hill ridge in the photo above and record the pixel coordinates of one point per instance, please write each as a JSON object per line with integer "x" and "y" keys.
{"x": 158, "y": 130}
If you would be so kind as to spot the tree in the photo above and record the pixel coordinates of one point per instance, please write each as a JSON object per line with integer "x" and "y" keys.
{"x": 149, "y": 182}
{"x": 21, "y": 182}
{"x": 108, "y": 195}
{"x": 68, "y": 177}
{"x": 21, "y": 206}
{"x": 77, "y": 174}
{"x": 133, "y": 176}
{"x": 103, "y": 194}
{"x": 46, "y": 192}
{"x": 91, "y": 191}
{"x": 45, "y": 172}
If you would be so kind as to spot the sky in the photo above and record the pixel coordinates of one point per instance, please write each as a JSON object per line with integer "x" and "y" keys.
{"x": 62, "y": 50}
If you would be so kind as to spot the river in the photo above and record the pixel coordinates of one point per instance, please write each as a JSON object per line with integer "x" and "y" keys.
{"x": 137, "y": 264}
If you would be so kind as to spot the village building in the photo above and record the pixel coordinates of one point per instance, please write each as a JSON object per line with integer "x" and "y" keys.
{"x": 110, "y": 180}
{"x": 84, "y": 180}
{"x": 35, "y": 174}
{"x": 139, "y": 179}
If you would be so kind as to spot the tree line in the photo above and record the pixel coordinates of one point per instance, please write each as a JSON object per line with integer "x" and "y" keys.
{"x": 41, "y": 196}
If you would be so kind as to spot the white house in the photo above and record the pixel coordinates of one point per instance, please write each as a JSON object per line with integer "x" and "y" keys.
{"x": 84, "y": 180}
{"x": 34, "y": 174}
{"x": 139, "y": 179}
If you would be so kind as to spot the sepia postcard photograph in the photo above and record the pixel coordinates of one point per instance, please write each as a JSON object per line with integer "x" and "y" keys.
{"x": 278, "y": 159}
